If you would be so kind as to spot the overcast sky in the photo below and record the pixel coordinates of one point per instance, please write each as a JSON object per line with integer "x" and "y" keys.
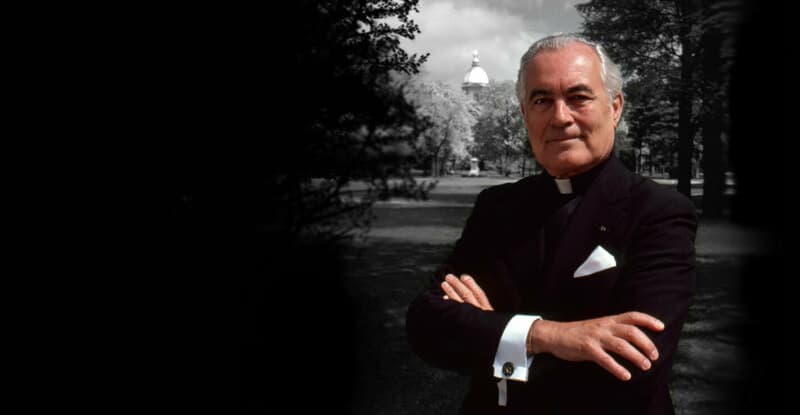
{"x": 501, "y": 31}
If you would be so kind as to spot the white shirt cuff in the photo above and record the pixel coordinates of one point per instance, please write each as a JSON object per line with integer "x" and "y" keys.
{"x": 511, "y": 360}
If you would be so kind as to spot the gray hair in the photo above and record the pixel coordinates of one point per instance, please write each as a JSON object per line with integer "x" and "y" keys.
{"x": 609, "y": 71}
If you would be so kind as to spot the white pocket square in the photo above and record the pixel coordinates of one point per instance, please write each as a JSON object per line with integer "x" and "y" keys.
{"x": 599, "y": 260}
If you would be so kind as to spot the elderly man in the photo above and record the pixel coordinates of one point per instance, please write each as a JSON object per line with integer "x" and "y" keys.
{"x": 567, "y": 291}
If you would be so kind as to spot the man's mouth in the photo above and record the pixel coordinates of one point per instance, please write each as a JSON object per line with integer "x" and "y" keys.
{"x": 560, "y": 139}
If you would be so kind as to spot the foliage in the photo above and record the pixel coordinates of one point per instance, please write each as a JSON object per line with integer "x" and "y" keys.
{"x": 623, "y": 145}
{"x": 652, "y": 119}
{"x": 643, "y": 37}
{"x": 664, "y": 48}
{"x": 500, "y": 135}
{"x": 344, "y": 116}
{"x": 450, "y": 115}
{"x": 640, "y": 36}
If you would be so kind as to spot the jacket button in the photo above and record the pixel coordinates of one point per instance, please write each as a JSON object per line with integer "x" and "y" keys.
{"x": 508, "y": 368}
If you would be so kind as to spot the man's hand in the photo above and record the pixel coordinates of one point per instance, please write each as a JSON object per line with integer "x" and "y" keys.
{"x": 465, "y": 290}
{"x": 592, "y": 340}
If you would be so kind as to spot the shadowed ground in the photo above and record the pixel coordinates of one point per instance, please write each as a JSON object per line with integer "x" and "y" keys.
{"x": 410, "y": 239}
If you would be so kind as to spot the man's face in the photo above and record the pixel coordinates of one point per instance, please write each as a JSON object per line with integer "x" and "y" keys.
{"x": 566, "y": 110}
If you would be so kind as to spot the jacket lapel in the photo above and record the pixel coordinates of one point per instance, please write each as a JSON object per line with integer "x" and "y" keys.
{"x": 596, "y": 221}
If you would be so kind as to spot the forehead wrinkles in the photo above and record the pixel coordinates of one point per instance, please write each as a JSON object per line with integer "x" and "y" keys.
{"x": 572, "y": 64}
{"x": 563, "y": 69}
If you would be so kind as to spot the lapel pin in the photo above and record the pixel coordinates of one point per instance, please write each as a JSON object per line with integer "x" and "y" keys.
{"x": 603, "y": 228}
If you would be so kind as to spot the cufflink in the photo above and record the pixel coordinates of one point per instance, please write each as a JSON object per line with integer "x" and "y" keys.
{"x": 508, "y": 368}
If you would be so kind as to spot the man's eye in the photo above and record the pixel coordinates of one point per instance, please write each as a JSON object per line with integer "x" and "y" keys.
{"x": 541, "y": 101}
{"x": 580, "y": 98}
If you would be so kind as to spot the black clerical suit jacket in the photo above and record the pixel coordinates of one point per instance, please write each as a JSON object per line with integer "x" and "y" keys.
{"x": 647, "y": 227}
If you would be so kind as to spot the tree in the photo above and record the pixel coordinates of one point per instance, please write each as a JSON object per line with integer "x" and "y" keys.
{"x": 500, "y": 134}
{"x": 450, "y": 114}
{"x": 265, "y": 117}
{"x": 623, "y": 145}
{"x": 671, "y": 49}
{"x": 720, "y": 22}
{"x": 328, "y": 111}
{"x": 347, "y": 116}
{"x": 651, "y": 118}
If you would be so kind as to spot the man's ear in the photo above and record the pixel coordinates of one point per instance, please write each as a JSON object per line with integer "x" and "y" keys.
{"x": 616, "y": 107}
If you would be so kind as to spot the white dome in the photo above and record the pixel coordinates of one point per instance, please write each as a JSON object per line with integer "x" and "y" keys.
{"x": 476, "y": 75}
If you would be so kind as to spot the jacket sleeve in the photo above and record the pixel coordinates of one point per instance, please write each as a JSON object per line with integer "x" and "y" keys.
{"x": 659, "y": 272}
{"x": 452, "y": 335}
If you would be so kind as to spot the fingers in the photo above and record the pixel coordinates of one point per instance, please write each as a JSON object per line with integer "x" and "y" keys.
{"x": 629, "y": 342}
{"x": 609, "y": 364}
{"x": 637, "y": 338}
{"x": 477, "y": 291}
{"x": 461, "y": 289}
{"x": 600, "y": 354}
{"x": 465, "y": 290}
{"x": 449, "y": 291}
{"x": 640, "y": 319}
{"x": 626, "y": 351}
{"x": 632, "y": 333}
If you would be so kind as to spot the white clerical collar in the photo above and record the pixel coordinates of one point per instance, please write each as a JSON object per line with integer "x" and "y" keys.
{"x": 564, "y": 186}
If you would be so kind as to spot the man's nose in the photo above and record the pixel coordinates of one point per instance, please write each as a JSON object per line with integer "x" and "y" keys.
{"x": 562, "y": 116}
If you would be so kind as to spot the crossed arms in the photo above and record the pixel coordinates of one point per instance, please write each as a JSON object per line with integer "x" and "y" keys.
{"x": 586, "y": 340}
